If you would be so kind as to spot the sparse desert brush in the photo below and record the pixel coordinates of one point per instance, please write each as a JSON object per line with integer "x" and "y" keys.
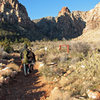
{"x": 40, "y": 54}
{"x": 54, "y": 56}
{"x": 51, "y": 71}
{"x": 14, "y": 67}
{"x": 80, "y": 47}
{"x": 50, "y": 57}
{"x": 86, "y": 75}
{"x": 8, "y": 49}
{"x": 9, "y": 70}
{"x": 3, "y": 54}
{"x": 6, "y": 44}
{"x": 81, "y": 61}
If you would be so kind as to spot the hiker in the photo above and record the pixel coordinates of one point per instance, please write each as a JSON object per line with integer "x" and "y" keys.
{"x": 31, "y": 59}
{"x": 28, "y": 58}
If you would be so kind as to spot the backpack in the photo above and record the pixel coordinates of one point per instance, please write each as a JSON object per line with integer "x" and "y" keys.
{"x": 25, "y": 57}
{"x": 31, "y": 57}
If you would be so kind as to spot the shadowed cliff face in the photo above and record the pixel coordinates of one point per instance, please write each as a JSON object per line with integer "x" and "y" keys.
{"x": 69, "y": 25}
{"x": 47, "y": 27}
{"x": 65, "y": 25}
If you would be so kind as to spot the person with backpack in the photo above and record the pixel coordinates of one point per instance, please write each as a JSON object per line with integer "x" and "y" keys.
{"x": 31, "y": 60}
{"x": 27, "y": 58}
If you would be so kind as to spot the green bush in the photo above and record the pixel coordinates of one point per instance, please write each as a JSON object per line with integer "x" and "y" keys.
{"x": 25, "y": 41}
{"x": 6, "y": 44}
{"x": 8, "y": 49}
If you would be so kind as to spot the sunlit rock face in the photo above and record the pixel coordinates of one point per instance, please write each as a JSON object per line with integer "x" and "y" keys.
{"x": 93, "y": 18}
{"x": 14, "y": 18}
{"x": 12, "y": 11}
{"x": 63, "y": 11}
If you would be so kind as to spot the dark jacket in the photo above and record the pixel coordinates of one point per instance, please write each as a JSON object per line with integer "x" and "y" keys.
{"x": 27, "y": 56}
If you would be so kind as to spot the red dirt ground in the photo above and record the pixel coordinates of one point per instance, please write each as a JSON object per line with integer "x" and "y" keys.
{"x": 31, "y": 87}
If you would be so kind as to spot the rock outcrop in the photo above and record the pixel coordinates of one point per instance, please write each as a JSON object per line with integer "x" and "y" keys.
{"x": 13, "y": 12}
{"x": 47, "y": 27}
{"x": 63, "y": 11}
{"x": 70, "y": 24}
{"x": 14, "y": 16}
{"x": 67, "y": 24}
{"x": 93, "y": 18}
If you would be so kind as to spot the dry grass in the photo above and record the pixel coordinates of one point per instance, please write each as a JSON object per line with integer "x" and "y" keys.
{"x": 57, "y": 63}
{"x": 85, "y": 76}
{"x": 82, "y": 60}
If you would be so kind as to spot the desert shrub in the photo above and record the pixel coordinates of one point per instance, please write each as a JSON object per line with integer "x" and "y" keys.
{"x": 51, "y": 72}
{"x": 55, "y": 40}
{"x": 86, "y": 73}
{"x": 3, "y": 54}
{"x": 25, "y": 41}
{"x": 51, "y": 58}
{"x": 6, "y": 45}
{"x": 56, "y": 64}
{"x": 56, "y": 61}
{"x": 82, "y": 61}
{"x": 44, "y": 39}
{"x": 80, "y": 47}
{"x": 75, "y": 60}
{"x": 78, "y": 51}
{"x": 8, "y": 48}
{"x": 16, "y": 41}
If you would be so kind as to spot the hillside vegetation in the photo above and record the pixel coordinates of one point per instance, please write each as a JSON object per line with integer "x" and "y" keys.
{"x": 75, "y": 72}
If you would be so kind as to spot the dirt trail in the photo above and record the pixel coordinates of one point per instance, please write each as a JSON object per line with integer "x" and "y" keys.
{"x": 32, "y": 87}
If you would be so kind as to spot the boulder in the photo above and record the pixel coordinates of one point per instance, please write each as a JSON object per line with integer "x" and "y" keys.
{"x": 58, "y": 94}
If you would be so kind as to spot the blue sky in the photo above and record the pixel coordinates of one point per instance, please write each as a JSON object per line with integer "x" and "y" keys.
{"x": 42, "y": 8}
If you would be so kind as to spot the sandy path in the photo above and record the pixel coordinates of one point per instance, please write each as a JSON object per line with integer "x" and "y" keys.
{"x": 31, "y": 87}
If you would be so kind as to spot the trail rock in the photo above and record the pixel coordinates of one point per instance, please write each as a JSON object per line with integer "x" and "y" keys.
{"x": 58, "y": 94}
